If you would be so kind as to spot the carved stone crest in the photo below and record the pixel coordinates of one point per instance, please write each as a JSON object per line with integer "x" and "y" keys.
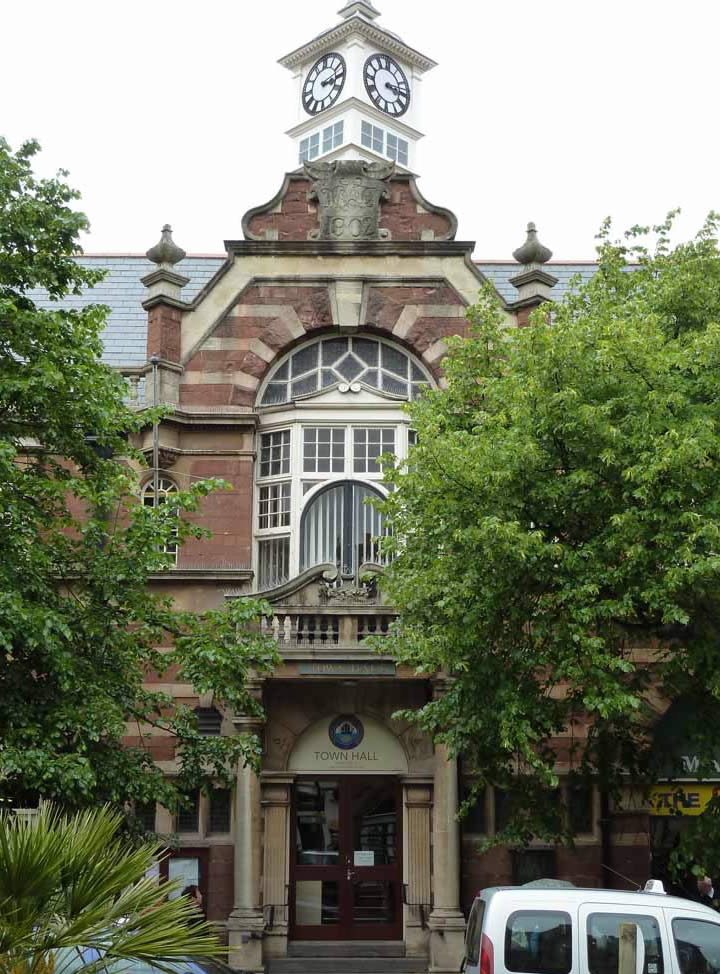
{"x": 348, "y": 193}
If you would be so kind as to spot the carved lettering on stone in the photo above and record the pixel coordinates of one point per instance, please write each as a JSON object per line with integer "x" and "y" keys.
{"x": 348, "y": 194}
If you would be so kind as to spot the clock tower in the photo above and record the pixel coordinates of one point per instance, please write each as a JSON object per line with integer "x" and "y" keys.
{"x": 357, "y": 92}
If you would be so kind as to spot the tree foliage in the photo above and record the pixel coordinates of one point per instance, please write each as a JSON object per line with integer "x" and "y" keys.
{"x": 76, "y": 896}
{"x": 79, "y": 627}
{"x": 557, "y": 528}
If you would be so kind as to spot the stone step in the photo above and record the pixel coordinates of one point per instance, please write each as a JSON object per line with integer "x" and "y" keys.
{"x": 347, "y": 948}
{"x": 347, "y": 965}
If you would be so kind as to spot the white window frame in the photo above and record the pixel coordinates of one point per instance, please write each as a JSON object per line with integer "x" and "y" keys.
{"x": 166, "y": 487}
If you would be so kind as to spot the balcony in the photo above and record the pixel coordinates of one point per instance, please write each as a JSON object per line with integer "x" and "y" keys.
{"x": 322, "y": 634}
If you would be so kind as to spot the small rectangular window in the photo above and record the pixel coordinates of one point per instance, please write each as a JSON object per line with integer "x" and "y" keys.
{"x": 337, "y": 134}
{"x": 219, "y": 816}
{"x": 603, "y": 942}
{"x": 274, "y": 562}
{"x": 475, "y": 821}
{"x": 368, "y": 445}
{"x": 188, "y": 816}
{"x": 580, "y": 808}
{"x": 145, "y": 815}
{"x": 392, "y": 146}
{"x": 539, "y": 942}
{"x": 327, "y": 139}
{"x": 412, "y": 438}
{"x": 378, "y": 139}
{"x": 366, "y": 134}
{"x": 402, "y": 154}
{"x": 323, "y": 450}
{"x": 275, "y": 453}
{"x": 304, "y": 150}
{"x": 274, "y": 507}
{"x": 314, "y": 146}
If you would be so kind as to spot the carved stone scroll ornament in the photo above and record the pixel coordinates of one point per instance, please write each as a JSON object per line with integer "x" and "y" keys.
{"x": 348, "y": 194}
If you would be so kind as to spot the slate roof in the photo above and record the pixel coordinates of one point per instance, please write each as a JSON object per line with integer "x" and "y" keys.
{"x": 123, "y": 292}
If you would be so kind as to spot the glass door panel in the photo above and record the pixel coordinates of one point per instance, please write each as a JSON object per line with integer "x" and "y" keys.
{"x": 373, "y": 902}
{"x": 346, "y": 869}
{"x": 317, "y": 822}
{"x": 374, "y": 823}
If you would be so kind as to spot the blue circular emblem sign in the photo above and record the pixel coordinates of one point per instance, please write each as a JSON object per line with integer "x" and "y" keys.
{"x": 346, "y": 732}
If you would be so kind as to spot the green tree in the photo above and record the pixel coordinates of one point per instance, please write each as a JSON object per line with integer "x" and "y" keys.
{"x": 75, "y": 896}
{"x": 557, "y": 528}
{"x": 79, "y": 628}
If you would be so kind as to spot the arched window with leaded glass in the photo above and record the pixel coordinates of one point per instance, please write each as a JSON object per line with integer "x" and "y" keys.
{"x": 341, "y": 525}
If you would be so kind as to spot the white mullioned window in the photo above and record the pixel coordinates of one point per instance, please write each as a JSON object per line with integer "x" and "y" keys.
{"x": 166, "y": 488}
{"x": 328, "y": 411}
{"x": 385, "y": 143}
{"x": 318, "y": 143}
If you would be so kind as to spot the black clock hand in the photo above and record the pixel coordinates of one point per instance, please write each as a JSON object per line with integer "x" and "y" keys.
{"x": 399, "y": 91}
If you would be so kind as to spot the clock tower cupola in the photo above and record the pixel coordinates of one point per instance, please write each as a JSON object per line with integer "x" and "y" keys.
{"x": 357, "y": 92}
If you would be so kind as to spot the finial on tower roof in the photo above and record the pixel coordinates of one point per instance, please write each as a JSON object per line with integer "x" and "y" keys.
{"x": 532, "y": 251}
{"x": 363, "y": 7}
{"x": 165, "y": 251}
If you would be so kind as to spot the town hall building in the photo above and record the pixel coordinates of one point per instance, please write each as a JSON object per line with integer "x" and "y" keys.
{"x": 286, "y": 364}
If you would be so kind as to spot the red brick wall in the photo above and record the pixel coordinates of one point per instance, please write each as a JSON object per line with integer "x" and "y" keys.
{"x": 401, "y": 215}
{"x": 163, "y": 334}
{"x": 296, "y": 217}
{"x": 226, "y": 513}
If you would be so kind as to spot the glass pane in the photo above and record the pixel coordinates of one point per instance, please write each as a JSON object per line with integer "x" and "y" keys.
{"x": 394, "y": 360}
{"x": 350, "y": 368}
{"x": 333, "y": 350}
{"x": 698, "y": 946}
{"x": 372, "y": 378}
{"x": 373, "y": 902}
{"x": 317, "y": 823}
{"x": 538, "y": 941}
{"x": 603, "y": 940}
{"x": 366, "y": 350}
{"x": 328, "y": 378}
{"x": 303, "y": 387}
{"x": 316, "y": 902}
{"x": 416, "y": 373}
{"x": 418, "y": 388}
{"x": 304, "y": 360}
{"x": 394, "y": 386}
{"x": 282, "y": 372}
{"x": 374, "y": 824}
{"x": 276, "y": 392}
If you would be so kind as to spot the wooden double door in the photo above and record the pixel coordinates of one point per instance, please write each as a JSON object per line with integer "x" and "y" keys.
{"x": 346, "y": 859}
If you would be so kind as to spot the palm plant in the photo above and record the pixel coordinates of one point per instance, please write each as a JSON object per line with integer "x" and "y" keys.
{"x": 75, "y": 894}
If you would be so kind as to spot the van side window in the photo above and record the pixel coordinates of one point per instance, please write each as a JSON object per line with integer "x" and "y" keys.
{"x": 474, "y": 933}
{"x": 603, "y": 942}
{"x": 538, "y": 942}
{"x": 697, "y": 943}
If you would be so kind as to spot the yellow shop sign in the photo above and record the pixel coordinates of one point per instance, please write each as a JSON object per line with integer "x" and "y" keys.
{"x": 685, "y": 799}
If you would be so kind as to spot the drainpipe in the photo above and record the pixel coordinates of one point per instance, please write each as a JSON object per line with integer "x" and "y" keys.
{"x": 156, "y": 452}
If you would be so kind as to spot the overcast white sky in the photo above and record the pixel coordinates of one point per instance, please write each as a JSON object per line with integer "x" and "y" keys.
{"x": 557, "y": 111}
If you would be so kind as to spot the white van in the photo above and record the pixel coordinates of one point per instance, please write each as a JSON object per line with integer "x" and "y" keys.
{"x": 526, "y": 930}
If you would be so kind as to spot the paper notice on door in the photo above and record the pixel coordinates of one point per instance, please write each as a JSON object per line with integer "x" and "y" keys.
{"x": 364, "y": 857}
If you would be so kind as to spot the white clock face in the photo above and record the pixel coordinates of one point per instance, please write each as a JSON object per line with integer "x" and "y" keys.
{"x": 324, "y": 82}
{"x": 386, "y": 84}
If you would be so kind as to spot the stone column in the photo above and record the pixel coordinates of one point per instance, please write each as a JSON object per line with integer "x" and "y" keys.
{"x": 246, "y": 922}
{"x": 276, "y": 804}
{"x": 447, "y": 923}
{"x": 418, "y": 802}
